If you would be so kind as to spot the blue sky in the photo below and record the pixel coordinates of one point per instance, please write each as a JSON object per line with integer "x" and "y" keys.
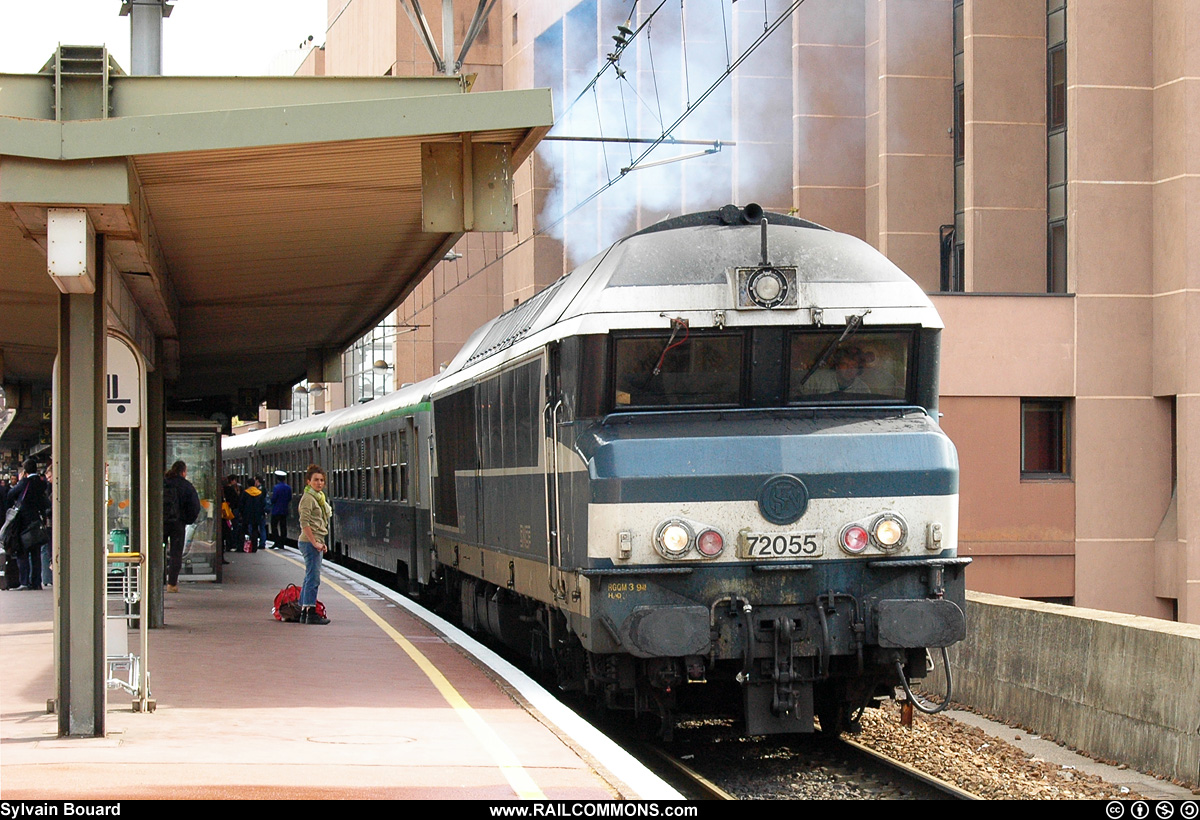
{"x": 201, "y": 37}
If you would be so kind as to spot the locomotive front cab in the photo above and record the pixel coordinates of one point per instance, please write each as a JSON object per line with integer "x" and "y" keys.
{"x": 771, "y": 504}
{"x": 800, "y": 543}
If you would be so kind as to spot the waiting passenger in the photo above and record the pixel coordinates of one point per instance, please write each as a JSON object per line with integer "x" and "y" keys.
{"x": 315, "y": 513}
{"x": 253, "y": 507}
{"x": 281, "y": 499}
{"x": 181, "y": 506}
{"x": 31, "y": 493}
{"x": 229, "y": 514}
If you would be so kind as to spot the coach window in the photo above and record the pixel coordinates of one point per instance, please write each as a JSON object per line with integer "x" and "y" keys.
{"x": 368, "y": 484}
{"x": 402, "y": 466}
{"x": 397, "y": 457}
{"x": 375, "y": 460}
{"x": 364, "y": 470}
{"x": 1045, "y": 439}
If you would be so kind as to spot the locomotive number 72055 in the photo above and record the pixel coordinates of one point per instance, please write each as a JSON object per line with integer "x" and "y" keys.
{"x": 779, "y": 544}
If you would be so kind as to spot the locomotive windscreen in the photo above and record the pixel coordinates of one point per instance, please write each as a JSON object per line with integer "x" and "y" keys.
{"x": 711, "y": 369}
{"x": 868, "y": 366}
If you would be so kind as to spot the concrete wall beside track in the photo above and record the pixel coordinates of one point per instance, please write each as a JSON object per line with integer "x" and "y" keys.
{"x": 1116, "y": 687}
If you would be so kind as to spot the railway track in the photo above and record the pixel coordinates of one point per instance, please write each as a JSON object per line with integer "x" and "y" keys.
{"x": 712, "y": 763}
{"x": 948, "y": 789}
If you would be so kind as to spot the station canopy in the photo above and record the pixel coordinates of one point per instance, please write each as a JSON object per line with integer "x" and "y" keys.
{"x": 248, "y": 222}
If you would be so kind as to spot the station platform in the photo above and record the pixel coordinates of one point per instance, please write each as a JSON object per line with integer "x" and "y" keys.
{"x": 380, "y": 703}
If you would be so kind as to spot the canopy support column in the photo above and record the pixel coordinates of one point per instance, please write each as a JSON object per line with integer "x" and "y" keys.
{"x": 80, "y": 438}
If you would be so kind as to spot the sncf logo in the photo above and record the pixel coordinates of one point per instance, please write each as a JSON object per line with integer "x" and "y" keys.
{"x": 782, "y": 499}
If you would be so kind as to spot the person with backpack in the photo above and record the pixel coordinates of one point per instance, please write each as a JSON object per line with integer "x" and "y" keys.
{"x": 181, "y": 506}
{"x": 30, "y": 493}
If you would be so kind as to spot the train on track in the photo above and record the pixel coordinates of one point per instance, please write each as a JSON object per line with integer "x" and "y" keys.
{"x": 701, "y": 472}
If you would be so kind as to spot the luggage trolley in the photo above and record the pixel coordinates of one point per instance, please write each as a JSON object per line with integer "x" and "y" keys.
{"x": 125, "y": 591}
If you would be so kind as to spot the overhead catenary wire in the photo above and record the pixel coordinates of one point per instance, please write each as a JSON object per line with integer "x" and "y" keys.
{"x": 612, "y": 61}
{"x": 768, "y": 29}
{"x": 635, "y": 140}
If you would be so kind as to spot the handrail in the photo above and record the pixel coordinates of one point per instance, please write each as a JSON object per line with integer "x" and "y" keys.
{"x": 546, "y": 487}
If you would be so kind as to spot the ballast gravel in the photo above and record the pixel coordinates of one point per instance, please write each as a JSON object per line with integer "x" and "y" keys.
{"x": 808, "y": 769}
{"x": 979, "y": 763}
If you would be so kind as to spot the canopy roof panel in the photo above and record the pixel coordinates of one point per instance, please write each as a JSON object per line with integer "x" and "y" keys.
{"x": 249, "y": 219}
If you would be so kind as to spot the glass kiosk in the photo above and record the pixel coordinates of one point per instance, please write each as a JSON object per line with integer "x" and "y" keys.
{"x": 198, "y": 445}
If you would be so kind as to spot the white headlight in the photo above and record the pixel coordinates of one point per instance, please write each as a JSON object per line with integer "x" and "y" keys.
{"x": 889, "y": 531}
{"x": 674, "y": 538}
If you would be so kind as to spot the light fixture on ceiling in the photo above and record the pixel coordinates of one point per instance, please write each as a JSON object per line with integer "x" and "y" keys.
{"x": 451, "y": 255}
{"x": 380, "y": 364}
{"x": 311, "y": 390}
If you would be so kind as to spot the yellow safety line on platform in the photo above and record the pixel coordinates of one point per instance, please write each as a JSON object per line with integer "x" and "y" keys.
{"x": 516, "y": 775}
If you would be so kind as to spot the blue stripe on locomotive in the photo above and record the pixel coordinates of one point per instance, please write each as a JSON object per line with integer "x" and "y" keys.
{"x": 725, "y": 457}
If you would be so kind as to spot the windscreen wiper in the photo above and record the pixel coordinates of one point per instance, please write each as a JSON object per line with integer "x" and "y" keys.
{"x": 676, "y": 325}
{"x": 852, "y": 326}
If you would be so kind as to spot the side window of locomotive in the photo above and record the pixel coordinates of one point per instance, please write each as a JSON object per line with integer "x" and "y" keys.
{"x": 690, "y": 370}
{"x": 521, "y": 397}
{"x": 868, "y": 366}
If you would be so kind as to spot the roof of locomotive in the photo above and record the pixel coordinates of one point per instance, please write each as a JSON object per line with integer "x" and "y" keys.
{"x": 699, "y": 249}
{"x": 684, "y": 266}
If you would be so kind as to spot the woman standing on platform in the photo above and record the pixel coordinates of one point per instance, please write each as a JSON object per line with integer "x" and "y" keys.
{"x": 314, "y": 528}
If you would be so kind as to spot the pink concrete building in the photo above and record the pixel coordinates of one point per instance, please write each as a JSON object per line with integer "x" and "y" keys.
{"x": 1034, "y": 164}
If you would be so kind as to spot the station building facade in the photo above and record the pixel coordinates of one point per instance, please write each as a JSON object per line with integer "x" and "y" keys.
{"x": 1033, "y": 164}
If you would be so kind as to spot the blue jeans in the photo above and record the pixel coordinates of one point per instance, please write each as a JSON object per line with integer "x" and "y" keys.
{"x": 312, "y": 574}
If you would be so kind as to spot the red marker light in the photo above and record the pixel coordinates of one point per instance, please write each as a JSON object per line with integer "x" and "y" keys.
{"x": 710, "y": 543}
{"x": 854, "y": 539}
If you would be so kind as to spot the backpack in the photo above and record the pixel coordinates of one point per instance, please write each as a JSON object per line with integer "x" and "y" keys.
{"x": 287, "y": 605}
{"x": 171, "y": 515}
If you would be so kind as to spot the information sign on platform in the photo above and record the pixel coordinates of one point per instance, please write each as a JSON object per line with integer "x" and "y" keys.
{"x": 122, "y": 388}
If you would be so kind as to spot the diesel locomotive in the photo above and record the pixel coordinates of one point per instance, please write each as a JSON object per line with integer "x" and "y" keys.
{"x": 701, "y": 472}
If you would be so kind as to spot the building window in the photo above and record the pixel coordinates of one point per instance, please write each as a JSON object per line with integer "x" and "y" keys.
{"x": 952, "y": 250}
{"x": 1056, "y": 102}
{"x": 1045, "y": 438}
{"x": 363, "y": 380}
{"x": 1056, "y": 146}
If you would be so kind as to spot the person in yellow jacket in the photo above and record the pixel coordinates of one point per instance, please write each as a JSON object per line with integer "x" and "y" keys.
{"x": 315, "y": 513}
{"x": 254, "y": 507}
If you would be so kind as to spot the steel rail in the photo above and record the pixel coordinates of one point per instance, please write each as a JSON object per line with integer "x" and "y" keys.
{"x": 910, "y": 772}
{"x": 704, "y": 788}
